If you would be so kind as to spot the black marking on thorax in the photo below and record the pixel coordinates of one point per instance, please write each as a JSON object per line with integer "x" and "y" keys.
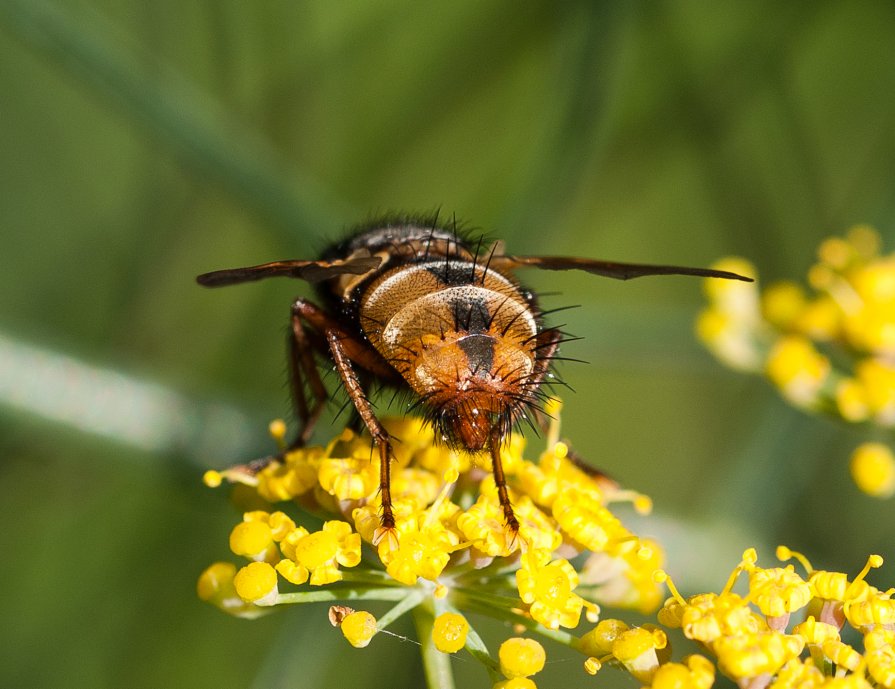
{"x": 470, "y": 314}
{"x": 454, "y": 273}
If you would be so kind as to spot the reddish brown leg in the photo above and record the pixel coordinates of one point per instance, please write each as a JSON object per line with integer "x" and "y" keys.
{"x": 500, "y": 481}
{"x": 303, "y": 367}
{"x": 303, "y": 342}
{"x": 355, "y": 350}
{"x": 377, "y": 431}
{"x": 302, "y": 364}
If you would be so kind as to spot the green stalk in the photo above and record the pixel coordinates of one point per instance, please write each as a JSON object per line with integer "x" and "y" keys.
{"x": 436, "y": 665}
{"x": 344, "y": 594}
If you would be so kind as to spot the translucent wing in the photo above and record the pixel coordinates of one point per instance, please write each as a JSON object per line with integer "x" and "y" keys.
{"x": 312, "y": 271}
{"x": 609, "y": 269}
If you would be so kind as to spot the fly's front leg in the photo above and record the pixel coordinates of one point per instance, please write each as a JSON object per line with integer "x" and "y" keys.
{"x": 310, "y": 324}
{"x": 503, "y": 495}
{"x": 337, "y": 347}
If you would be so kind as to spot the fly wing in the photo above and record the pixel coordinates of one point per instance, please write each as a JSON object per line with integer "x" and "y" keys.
{"x": 609, "y": 269}
{"x": 312, "y": 271}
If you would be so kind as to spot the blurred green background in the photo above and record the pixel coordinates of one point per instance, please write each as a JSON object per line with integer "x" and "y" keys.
{"x": 144, "y": 143}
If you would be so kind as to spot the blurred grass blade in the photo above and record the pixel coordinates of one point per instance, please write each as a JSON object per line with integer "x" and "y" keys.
{"x": 114, "y": 405}
{"x": 188, "y": 121}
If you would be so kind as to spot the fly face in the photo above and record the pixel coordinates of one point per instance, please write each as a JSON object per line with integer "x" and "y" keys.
{"x": 463, "y": 337}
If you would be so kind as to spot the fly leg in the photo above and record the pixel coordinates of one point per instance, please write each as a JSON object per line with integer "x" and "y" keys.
{"x": 302, "y": 367}
{"x": 338, "y": 349}
{"x": 503, "y": 495}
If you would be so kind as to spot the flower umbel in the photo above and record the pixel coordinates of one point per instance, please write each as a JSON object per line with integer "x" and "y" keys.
{"x": 450, "y": 553}
{"x": 755, "y": 645}
{"x": 828, "y": 348}
{"x": 794, "y": 627}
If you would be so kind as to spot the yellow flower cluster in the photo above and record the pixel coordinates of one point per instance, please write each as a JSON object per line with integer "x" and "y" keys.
{"x": 751, "y": 636}
{"x": 451, "y": 550}
{"x": 830, "y": 348}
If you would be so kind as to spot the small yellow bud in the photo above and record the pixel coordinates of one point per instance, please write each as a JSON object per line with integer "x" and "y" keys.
{"x": 521, "y": 657}
{"x": 359, "y": 628}
{"x": 251, "y": 539}
{"x": 873, "y": 469}
{"x": 449, "y": 632}
{"x": 277, "y": 430}
{"x": 215, "y": 579}
{"x": 256, "y": 583}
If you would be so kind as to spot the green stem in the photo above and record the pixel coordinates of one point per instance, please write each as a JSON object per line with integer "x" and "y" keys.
{"x": 342, "y": 594}
{"x": 373, "y": 577}
{"x": 436, "y": 665}
{"x": 409, "y": 601}
{"x": 465, "y": 602}
{"x": 474, "y": 643}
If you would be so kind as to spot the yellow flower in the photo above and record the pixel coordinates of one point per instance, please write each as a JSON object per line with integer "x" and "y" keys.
{"x": 793, "y": 337}
{"x": 695, "y": 672}
{"x": 623, "y": 576}
{"x": 730, "y": 324}
{"x": 636, "y": 649}
{"x": 582, "y": 515}
{"x": 451, "y": 549}
{"x": 599, "y": 640}
{"x": 782, "y": 303}
{"x": 877, "y": 380}
{"x": 798, "y": 674}
{"x": 215, "y": 586}
{"x": 875, "y": 610}
{"x": 349, "y": 478}
{"x": 423, "y": 550}
{"x": 320, "y": 553}
{"x": 820, "y": 319}
{"x": 256, "y": 583}
{"x": 778, "y": 591}
{"x": 516, "y": 683}
{"x": 871, "y": 325}
{"x": 798, "y": 369}
{"x": 359, "y": 628}
{"x": 295, "y": 476}
{"x": 880, "y": 656}
{"x": 253, "y": 539}
{"x": 872, "y": 467}
{"x": 547, "y": 587}
{"x": 449, "y": 632}
{"x": 756, "y": 653}
{"x": 521, "y": 657}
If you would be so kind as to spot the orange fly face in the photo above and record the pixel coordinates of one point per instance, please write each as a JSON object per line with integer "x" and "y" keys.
{"x": 463, "y": 337}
